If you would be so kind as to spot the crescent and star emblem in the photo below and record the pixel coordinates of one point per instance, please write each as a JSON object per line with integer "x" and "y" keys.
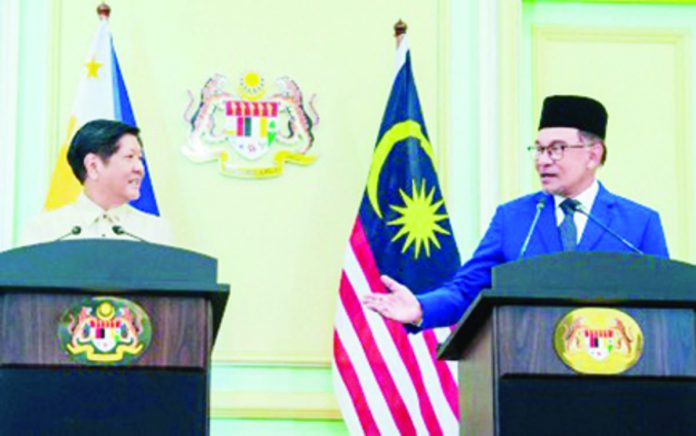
{"x": 419, "y": 215}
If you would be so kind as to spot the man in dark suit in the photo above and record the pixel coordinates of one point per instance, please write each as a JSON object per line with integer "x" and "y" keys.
{"x": 568, "y": 151}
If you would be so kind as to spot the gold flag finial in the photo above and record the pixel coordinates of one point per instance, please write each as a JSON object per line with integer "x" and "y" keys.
{"x": 399, "y": 31}
{"x": 400, "y": 28}
{"x": 103, "y": 11}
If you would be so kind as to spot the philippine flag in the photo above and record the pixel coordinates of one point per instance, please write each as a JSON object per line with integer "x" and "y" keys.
{"x": 101, "y": 94}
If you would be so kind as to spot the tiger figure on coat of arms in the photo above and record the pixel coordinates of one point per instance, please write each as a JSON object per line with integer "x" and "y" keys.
{"x": 249, "y": 135}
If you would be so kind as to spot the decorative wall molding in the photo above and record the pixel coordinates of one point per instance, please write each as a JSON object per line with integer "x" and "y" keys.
{"x": 673, "y": 47}
{"x": 274, "y": 405}
{"x": 273, "y": 391}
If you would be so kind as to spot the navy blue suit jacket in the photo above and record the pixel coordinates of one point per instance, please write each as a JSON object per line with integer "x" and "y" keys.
{"x": 505, "y": 235}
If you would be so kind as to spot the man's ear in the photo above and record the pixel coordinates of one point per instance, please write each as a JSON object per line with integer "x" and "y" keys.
{"x": 92, "y": 164}
{"x": 596, "y": 152}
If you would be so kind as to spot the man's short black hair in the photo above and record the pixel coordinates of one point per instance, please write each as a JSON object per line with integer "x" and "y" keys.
{"x": 98, "y": 137}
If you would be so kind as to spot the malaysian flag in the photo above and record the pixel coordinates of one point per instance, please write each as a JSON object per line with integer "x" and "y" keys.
{"x": 387, "y": 381}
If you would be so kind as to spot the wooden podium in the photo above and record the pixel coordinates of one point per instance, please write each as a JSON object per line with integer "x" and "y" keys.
{"x": 163, "y": 391}
{"x": 512, "y": 382}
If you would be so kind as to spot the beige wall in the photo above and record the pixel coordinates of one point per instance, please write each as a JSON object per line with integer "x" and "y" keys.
{"x": 639, "y": 60}
{"x": 649, "y": 135}
{"x": 279, "y": 242}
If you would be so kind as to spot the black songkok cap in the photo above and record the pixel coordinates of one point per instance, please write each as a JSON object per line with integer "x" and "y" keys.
{"x": 581, "y": 113}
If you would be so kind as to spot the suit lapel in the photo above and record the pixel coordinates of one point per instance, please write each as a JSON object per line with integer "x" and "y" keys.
{"x": 602, "y": 212}
{"x": 548, "y": 228}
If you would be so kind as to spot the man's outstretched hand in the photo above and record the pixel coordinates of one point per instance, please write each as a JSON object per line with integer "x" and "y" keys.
{"x": 398, "y": 304}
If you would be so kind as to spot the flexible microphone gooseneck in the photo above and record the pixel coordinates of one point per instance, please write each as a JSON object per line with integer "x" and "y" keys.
{"x": 121, "y": 231}
{"x": 539, "y": 206}
{"x": 73, "y": 232}
{"x": 577, "y": 207}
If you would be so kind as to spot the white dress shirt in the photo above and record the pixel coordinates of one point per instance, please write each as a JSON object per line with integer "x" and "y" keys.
{"x": 94, "y": 223}
{"x": 586, "y": 199}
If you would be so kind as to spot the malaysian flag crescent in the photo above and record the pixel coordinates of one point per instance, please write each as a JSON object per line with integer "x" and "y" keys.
{"x": 388, "y": 381}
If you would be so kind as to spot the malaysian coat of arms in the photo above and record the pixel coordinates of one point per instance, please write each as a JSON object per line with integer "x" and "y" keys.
{"x": 105, "y": 330}
{"x": 250, "y": 133}
{"x": 598, "y": 341}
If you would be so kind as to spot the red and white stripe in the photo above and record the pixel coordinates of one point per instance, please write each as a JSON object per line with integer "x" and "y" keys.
{"x": 387, "y": 381}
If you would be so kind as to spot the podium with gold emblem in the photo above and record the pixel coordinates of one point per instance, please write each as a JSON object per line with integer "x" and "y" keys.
{"x": 580, "y": 343}
{"x": 106, "y": 337}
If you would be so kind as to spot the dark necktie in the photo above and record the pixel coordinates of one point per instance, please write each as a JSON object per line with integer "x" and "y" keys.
{"x": 569, "y": 233}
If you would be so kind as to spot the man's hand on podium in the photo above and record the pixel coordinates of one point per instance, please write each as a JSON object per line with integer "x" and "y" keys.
{"x": 398, "y": 304}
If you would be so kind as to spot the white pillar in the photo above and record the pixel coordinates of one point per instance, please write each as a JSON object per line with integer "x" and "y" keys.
{"x": 9, "y": 66}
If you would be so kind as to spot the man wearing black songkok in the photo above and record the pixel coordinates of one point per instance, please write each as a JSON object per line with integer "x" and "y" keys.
{"x": 567, "y": 153}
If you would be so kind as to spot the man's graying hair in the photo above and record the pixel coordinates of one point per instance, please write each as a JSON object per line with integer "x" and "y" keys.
{"x": 592, "y": 138}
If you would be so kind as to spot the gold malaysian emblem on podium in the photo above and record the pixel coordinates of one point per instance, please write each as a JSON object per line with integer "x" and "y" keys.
{"x": 598, "y": 341}
{"x": 105, "y": 330}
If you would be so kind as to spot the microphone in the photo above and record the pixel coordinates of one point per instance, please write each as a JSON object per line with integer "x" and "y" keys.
{"x": 577, "y": 207}
{"x": 121, "y": 231}
{"x": 539, "y": 206}
{"x": 73, "y": 232}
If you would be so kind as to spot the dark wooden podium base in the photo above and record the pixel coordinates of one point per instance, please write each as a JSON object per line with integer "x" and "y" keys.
{"x": 164, "y": 392}
{"x": 512, "y": 382}
{"x": 103, "y": 402}
{"x": 596, "y": 406}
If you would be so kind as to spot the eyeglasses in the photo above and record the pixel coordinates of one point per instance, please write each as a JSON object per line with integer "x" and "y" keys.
{"x": 554, "y": 150}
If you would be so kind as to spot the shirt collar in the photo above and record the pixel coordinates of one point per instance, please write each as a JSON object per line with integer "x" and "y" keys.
{"x": 89, "y": 211}
{"x": 586, "y": 197}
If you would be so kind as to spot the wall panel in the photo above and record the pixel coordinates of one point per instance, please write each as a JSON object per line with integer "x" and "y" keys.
{"x": 642, "y": 77}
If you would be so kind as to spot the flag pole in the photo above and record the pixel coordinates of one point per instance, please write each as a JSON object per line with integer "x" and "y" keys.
{"x": 387, "y": 381}
{"x": 103, "y": 11}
